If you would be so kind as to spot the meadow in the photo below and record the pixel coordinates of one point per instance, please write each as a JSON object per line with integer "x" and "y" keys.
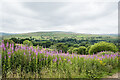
{"x": 28, "y": 62}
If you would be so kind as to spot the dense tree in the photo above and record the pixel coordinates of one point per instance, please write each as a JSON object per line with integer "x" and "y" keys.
{"x": 81, "y": 50}
{"x": 102, "y": 46}
{"x": 66, "y": 43}
{"x": 71, "y": 50}
{"x": 75, "y": 50}
{"x": 27, "y": 43}
{"x": 62, "y": 46}
{"x": 87, "y": 49}
{"x": 15, "y": 40}
{"x": 76, "y": 45}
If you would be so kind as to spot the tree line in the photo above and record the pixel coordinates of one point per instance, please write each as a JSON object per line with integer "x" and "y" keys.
{"x": 66, "y": 44}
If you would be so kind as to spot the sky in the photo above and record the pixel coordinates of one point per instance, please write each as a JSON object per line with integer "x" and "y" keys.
{"x": 80, "y": 16}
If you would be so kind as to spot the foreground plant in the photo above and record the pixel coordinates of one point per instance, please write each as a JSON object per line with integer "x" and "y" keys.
{"x": 27, "y": 62}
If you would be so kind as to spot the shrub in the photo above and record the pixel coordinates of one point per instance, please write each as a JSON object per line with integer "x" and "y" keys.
{"x": 15, "y": 40}
{"x": 105, "y": 53}
{"x": 81, "y": 50}
{"x": 102, "y": 46}
{"x": 75, "y": 50}
{"x": 87, "y": 49}
{"x": 70, "y": 50}
{"x": 27, "y": 42}
{"x": 37, "y": 43}
{"x": 46, "y": 44}
{"x": 75, "y": 45}
{"x": 62, "y": 46}
{"x": 53, "y": 47}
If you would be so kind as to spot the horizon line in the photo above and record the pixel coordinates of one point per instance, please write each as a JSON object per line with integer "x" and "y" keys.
{"x": 53, "y": 31}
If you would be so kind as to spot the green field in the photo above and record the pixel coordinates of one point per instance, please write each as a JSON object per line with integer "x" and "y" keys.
{"x": 59, "y": 35}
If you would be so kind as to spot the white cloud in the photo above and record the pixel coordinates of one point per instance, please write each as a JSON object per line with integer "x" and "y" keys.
{"x": 82, "y": 17}
{"x": 61, "y": 0}
{"x": 107, "y": 24}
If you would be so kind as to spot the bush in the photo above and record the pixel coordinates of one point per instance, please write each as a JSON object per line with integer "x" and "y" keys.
{"x": 27, "y": 42}
{"x": 37, "y": 43}
{"x": 75, "y": 45}
{"x": 87, "y": 49}
{"x": 81, "y": 50}
{"x": 102, "y": 46}
{"x": 46, "y": 44}
{"x": 52, "y": 47}
{"x": 70, "y": 50}
{"x": 75, "y": 50}
{"x": 105, "y": 53}
{"x": 15, "y": 40}
{"x": 62, "y": 46}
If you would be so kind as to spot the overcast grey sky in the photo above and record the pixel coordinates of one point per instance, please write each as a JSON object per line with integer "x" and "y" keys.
{"x": 93, "y": 17}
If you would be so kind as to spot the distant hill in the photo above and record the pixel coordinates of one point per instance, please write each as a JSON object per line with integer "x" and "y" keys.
{"x": 55, "y": 35}
{"x": 113, "y": 35}
{"x": 3, "y": 34}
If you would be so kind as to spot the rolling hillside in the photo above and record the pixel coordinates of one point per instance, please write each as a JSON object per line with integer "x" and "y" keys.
{"x": 56, "y": 35}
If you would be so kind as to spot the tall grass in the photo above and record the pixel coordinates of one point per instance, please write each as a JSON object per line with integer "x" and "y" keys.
{"x": 27, "y": 62}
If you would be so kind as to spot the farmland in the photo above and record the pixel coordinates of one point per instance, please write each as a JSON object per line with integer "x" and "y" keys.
{"x": 57, "y": 35}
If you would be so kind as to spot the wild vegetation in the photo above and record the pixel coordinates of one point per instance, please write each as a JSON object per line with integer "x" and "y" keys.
{"x": 65, "y": 57}
{"x": 24, "y": 61}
